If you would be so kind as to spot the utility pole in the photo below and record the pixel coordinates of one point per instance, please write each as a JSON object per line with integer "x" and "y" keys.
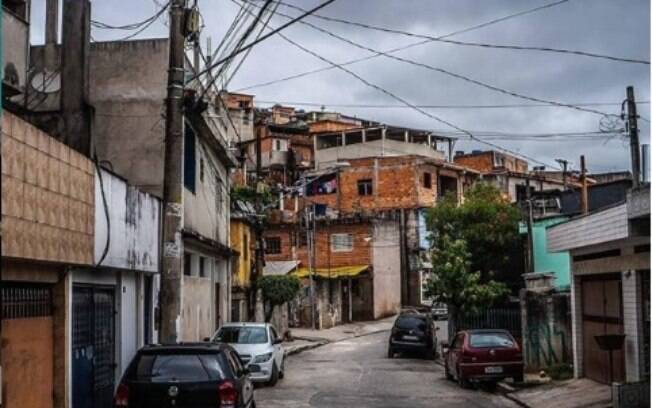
{"x": 530, "y": 238}
{"x": 584, "y": 198}
{"x": 172, "y": 268}
{"x": 564, "y": 173}
{"x": 258, "y": 227}
{"x": 311, "y": 243}
{"x": 632, "y": 119}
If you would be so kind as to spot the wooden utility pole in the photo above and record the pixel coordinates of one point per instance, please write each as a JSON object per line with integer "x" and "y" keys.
{"x": 258, "y": 226}
{"x": 584, "y": 198}
{"x": 632, "y": 119}
{"x": 530, "y": 238}
{"x": 172, "y": 261}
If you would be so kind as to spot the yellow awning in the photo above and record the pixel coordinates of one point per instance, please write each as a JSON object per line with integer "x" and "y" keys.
{"x": 332, "y": 273}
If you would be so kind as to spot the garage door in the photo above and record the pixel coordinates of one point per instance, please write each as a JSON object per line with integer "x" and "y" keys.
{"x": 601, "y": 314}
{"x": 27, "y": 345}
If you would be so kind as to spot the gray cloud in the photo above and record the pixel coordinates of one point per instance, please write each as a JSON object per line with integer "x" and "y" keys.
{"x": 620, "y": 28}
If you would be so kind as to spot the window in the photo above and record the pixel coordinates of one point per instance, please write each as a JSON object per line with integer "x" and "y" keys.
{"x": 427, "y": 180}
{"x": 280, "y": 145}
{"x": 187, "y": 264}
{"x": 273, "y": 245}
{"x": 242, "y": 335}
{"x": 189, "y": 157}
{"x": 203, "y": 272}
{"x": 365, "y": 187}
{"x": 341, "y": 242}
{"x": 178, "y": 368}
{"x": 302, "y": 239}
{"x": 491, "y": 340}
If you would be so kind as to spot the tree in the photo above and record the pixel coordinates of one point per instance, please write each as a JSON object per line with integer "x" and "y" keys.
{"x": 488, "y": 223}
{"x": 277, "y": 290}
{"x": 453, "y": 283}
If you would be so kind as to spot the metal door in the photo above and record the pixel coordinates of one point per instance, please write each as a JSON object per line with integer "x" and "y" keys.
{"x": 601, "y": 314}
{"x": 93, "y": 347}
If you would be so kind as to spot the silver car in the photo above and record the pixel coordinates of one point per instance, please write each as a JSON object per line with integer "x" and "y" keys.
{"x": 259, "y": 348}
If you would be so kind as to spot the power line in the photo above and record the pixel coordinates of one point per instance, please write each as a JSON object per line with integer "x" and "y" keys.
{"x": 390, "y": 106}
{"x": 261, "y": 39}
{"x": 393, "y": 50}
{"x": 146, "y": 25}
{"x": 128, "y": 27}
{"x": 401, "y": 100}
{"x": 466, "y": 43}
{"x": 446, "y": 72}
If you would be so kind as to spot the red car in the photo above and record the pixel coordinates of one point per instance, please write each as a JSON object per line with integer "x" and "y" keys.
{"x": 483, "y": 356}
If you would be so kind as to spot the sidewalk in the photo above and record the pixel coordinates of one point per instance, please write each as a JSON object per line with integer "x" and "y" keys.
{"x": 305, "y": 339}
{"x": 575, "y": 393}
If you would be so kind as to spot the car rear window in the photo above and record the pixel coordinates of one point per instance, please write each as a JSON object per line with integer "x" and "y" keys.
{"x": 481, "y": 340}
{"x": 411, "y": 322}
{"x": 178, "y": 368}
{"x": 242, "y": 335}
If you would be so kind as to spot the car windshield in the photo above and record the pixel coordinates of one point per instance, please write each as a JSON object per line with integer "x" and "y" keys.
{"x": 178, "y": 368}
{"x": 482, "y": 340}
{"x": 242, "y": 335}
{"x": 410, "y": 323}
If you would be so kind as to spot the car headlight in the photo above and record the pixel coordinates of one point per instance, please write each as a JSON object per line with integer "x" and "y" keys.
{"x": 262, "y": 358}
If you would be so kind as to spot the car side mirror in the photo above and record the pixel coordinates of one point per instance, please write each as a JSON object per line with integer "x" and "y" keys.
{"x": 277, "y": 341}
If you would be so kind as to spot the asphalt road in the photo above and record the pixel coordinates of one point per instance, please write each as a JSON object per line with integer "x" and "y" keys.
{"x": 357, "y": 373}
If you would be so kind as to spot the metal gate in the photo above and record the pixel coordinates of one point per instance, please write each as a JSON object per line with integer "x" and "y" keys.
{"x": 93, "y": 347}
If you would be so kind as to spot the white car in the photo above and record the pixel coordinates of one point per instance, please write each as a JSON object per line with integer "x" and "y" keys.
{"x": 258, "y": 345}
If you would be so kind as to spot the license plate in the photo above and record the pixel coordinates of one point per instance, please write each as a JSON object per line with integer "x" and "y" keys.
{"x": 414, "y": 338}
{"x": 493, "y": 370}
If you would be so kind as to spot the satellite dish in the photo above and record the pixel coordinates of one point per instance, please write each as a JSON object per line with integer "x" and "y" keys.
{"x": 46, "y": 81}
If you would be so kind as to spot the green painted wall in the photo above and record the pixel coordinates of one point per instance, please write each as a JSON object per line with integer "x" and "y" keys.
{"x": 549, "y": 262}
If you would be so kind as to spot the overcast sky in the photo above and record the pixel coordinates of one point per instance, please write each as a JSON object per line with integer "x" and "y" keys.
{"x": 613, "y": 27}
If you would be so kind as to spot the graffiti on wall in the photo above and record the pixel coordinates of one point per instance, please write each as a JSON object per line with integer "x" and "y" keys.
{"x": 547, "y": 330}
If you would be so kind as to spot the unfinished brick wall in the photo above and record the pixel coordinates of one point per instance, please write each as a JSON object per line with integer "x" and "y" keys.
{"x": 483, "y": 162}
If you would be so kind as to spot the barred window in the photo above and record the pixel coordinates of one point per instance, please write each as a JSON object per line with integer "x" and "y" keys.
{"x": 273, "y": 245}
{"x": 341, "y": 242}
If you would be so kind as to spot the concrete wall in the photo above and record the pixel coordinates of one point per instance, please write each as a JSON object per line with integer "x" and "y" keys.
{"x": 386, "y": 147}
{"x": 386, "y": 268}
{"x": 134, "y": 218}
{"x": 241, "y": 241}
{"x": 197, "y": 319}
{"x": 127, "y": 89}
{"x": 207, "y": 210}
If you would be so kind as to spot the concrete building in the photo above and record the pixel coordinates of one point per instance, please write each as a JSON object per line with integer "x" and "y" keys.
{"x": 80, "y": 272}
{"x": 242, "y": 242}
{"x": 610, "y": 287}
{"x": 511, "y": 174}
{"x": 355, "y": 267}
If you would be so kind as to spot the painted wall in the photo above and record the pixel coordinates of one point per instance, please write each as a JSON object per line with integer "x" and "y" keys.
{"x": 326, "y": 157}
{"x": 241, "y": 235}
{"x": 134, "y": 219}
{"x": 546, "y": 261}
{"x": 386, "y": 268}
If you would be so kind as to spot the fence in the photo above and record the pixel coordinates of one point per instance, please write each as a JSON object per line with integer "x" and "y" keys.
{"x": 504, "y": 318}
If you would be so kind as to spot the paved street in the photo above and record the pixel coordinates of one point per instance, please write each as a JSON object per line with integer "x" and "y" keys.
{"x": 357, "y": 373}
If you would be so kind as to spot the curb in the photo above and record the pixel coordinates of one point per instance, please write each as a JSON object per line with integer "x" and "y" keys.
{"x": 321, "y": 341}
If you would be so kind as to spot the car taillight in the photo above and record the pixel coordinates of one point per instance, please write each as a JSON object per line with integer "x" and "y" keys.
{"x": 121, "y": 399}
{"x": 228, "y": 395}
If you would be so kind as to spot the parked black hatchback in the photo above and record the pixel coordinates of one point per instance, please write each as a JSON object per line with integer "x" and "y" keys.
{"x": 413, "y": 332}
{"x": 197, "y": 375}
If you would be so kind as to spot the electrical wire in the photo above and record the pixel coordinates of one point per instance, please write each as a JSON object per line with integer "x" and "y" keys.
{"x": 446, "y": 72}
{"x": 261, "y": 39}
{"x": 151, "y": 21}
{"x": 388, "y": 106}
{"x": 466, "y": 43}
{"x": 412, "y": 45}
{"x": 128, "y": 27}
{"x": 405, "y": 102}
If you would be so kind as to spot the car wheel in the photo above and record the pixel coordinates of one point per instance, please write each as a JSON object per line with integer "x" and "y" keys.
{"x": 274, "y": 378}
{"x": 429, "y": 355}
{"x": 449, "y": 376}
{"x": 281, "y": 374}
{"x": 518, "y": 378}
{"x": 491, "y": 386}
{"x": 390, "y": 353}
{"x": 461, "y": 380}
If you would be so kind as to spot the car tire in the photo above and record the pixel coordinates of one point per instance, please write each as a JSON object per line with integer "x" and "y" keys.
{"x": 429, "y": 355}
{"x": 461, "y": 380}
{"x": 275, "y": 375}
{"x": 448, "y": 374}
{"x": 390, "y": 353}
{"x": 281, "y": 374}
{"x": 518, "y": 378}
